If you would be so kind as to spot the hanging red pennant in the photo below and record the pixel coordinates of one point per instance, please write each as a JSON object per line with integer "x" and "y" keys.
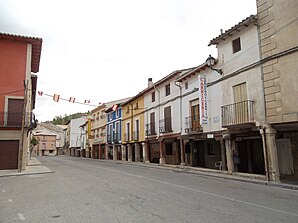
{"x": 72, "y": 99}
{"x": 56, "y": 97}
{"x": 87, "y": 101}
{"x": 114, "y": 107}
{"x": 40, "y": 93}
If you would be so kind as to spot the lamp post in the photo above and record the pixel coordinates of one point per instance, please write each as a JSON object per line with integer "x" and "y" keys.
{"x": 211, "y": 62}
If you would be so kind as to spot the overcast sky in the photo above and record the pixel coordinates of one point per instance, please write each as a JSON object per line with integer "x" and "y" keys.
{"x": 106, "y": 50}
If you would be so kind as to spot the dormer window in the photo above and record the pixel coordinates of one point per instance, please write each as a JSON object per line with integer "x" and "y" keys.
{"x": 236, "y": 45}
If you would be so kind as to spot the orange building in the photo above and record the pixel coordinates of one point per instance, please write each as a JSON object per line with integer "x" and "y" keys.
{"x": 19, "y": 58}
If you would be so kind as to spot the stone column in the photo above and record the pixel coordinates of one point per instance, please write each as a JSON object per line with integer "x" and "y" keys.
{"x": 147, "y": 152}
{"x": 175, "y": 150}
{"x": 129, "y": 151}
{"x": 115, "y": 152}
{"x": 123, "y": 152}
{"x": 144, "y": 153}
{"x": 106, "y": 152}
{"x": 262, "y": 132}
{"x": 137, "y": 152}
{"x": 273, "y": 168}
{"x": 100, "y": 152}
{"x": 223, "y": 154}
{"x": 182, "y": 152}
{"x": 229, "y": 153}
{"x": 162, "y": 159}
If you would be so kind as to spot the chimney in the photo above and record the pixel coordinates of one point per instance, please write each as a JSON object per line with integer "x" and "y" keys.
{"x": 221, "y": 31}
{"x": 150, "y": 82}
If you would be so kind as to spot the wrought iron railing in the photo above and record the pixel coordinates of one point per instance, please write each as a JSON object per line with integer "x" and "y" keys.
{"x": 150, "y": 129}
{"x": 135, "y": 135}
{"x": 126, "y": 137}
{"x": 116, "y": 137}
{"x": 192, "y": 124}
{"x": 14, "y": 119}
{"x": 238, "y": 113}
{"x": 165, "y": 125}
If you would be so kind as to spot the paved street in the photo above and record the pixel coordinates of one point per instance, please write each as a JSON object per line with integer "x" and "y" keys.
{"x": 85, "y": 190}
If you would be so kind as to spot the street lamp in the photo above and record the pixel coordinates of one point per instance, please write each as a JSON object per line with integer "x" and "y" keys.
{"x": 210, "y": 63}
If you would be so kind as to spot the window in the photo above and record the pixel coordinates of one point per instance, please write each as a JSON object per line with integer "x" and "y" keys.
{"x": 51, "y": 151}
{"x": 168, "y": 89}
{"x": 153, "y": 96}
{"x": 117, "y": 113}
{"x": 236, "y": 45}
{"x": 127, "y": 110}
{"x": 137, "y": 106}
{"x": 186, "y": 85}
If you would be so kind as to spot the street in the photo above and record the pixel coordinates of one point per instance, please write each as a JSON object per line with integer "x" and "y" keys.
{"x": 86, "y": 190}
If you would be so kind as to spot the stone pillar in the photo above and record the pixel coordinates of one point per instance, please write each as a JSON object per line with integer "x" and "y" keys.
{"x": 144, "y": 153}
{"x": 273, "y": 168}
{"x": 229, "y": 153}
{"x": 223, "y": 154}
{"x": 99, "y": 152}
{"x": 182, "y": 152}
{"x": 129, "y": 151}
{"x": 162, "y": 159}
{"x": 106, "y": 152}
{"x": 147, "y": 151}
{"x": 115, "y": 152}
{"x": 262, "y": 132}
{"x": 123, "y": 152}
{"x": 175, "y": 150}
{"x": 137, "y": 152}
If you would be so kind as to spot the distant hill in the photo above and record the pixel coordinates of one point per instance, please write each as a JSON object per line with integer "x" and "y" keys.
{"x": 62, "y": 120}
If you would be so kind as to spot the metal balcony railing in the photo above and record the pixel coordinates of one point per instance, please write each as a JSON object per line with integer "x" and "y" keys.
{"x": 135, "y": 135}
{"x": 116, "y": 137}
{"x": 109, "y": 138}
{"x": 238, "y": 113}
{"x": 127, "y": 137}
{"x": 150, "y": 129}
{"x": 165, "y": 125}
{"x": 192, "y": 124}
{"x": 14, "y": 119}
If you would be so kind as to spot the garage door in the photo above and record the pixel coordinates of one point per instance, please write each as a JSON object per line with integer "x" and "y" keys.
{"x": 9, "y": 154}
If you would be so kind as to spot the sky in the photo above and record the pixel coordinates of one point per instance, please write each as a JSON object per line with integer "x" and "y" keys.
{"x": 106, "y": 50}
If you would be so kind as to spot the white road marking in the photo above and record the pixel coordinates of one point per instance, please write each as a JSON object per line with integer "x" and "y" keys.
{"x": 8, "y": 201}
{"x": 21, "y": 217}
{"x": 198, "y": 191}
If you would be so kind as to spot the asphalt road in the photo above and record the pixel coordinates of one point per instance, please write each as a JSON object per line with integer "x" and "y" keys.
{"x": 85, "y": 190}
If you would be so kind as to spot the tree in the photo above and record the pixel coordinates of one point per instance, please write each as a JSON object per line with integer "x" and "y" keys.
{"x": 33, "y": 142}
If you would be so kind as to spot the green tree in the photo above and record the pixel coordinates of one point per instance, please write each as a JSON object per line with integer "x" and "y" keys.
{"x": 33, "y": 142}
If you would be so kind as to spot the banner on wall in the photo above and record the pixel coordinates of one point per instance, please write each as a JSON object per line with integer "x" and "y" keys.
{"x": 203, "y": 100}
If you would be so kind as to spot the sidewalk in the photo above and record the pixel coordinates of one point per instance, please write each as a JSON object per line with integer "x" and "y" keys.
{"x": 33, "y": 167}
{"x": 243, "y": 177}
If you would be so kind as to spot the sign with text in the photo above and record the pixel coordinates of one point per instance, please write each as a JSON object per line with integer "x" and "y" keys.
{"x": 203, "y": 99}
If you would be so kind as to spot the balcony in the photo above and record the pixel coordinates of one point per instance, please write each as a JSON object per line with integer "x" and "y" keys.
{"x": 192, "y": 124}
{"x": 14, "y": 119}
{"x": 238, "y": 114}
{"x": 165, "y": 125}
{"x": 116, "y": 137}
{"x": 150, "y": 129}
{"x": 109, "y": 138}
{"x": 126, "y": 137}
{"x": 135, "y": 135}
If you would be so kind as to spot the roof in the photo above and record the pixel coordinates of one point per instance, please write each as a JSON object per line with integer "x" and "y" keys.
{"x": 166, "y": 78}
{"x": 43, "y": 132}
{"x": 241, "y": 25}
{"x": 36, "y": 47}
{"x": 118, "y": 102}
{"x": 191, "y": 72}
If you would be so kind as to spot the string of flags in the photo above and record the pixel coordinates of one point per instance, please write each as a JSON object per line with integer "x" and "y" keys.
{"x": 56, "y": 98}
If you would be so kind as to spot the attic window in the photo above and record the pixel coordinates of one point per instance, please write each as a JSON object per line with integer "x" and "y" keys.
{"x": 236, "y": 45}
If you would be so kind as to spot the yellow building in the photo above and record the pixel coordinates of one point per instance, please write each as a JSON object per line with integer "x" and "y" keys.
{"x": 133, "y": 130}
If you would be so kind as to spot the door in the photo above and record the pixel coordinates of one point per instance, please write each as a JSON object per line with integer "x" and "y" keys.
{"x": 241, "y": 107}
{"x": 15, "y": 111}
{"x": 195, "y": 120}
{"x": 9, "y": 150}
{"x": 168, "y": 119}
{"x": 152, "y": 124}
{"x": 285, "y": 157}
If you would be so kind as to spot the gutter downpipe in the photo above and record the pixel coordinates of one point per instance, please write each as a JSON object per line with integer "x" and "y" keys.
{"x": 181, "y": 142}
{"x": 161, "y": 158}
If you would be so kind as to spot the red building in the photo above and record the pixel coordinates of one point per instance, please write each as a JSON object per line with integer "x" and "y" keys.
{"x": 19, "y": 58}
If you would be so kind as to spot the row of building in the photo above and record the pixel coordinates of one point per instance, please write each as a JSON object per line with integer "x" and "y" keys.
{"x": 236, "y": 113}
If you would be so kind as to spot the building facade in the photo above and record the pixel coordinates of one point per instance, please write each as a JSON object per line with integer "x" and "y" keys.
{"x": 19, "y": 58}
{"x": 279, "y": 51}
